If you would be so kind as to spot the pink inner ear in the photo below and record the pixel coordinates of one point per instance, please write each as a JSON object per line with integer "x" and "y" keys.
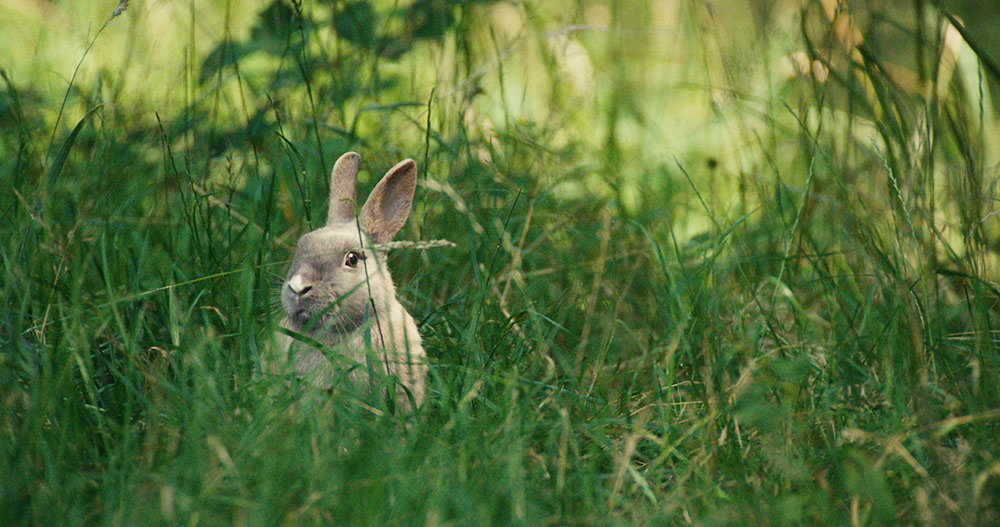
{"x": 389, "y": 204}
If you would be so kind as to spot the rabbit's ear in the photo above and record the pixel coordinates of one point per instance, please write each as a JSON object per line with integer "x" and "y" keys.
{"x": 388, "y": 205}
{"x": 343, "y": 181}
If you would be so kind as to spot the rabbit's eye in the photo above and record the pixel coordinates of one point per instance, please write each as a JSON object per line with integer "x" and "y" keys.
{"x": 352, "y": 258}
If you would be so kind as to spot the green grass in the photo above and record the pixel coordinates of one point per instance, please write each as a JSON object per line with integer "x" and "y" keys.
{"x": 690, "y": 285}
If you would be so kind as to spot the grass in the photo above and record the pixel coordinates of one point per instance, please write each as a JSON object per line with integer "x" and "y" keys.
{"x": 715, "y": 264}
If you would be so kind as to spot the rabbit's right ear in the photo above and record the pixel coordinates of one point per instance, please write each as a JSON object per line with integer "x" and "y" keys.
{"x": 343, "y": 182}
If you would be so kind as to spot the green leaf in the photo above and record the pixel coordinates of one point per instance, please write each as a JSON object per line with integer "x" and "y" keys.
{"x": 959, "y": 274}
{"x": 224, "y": 54}
{"x": 430, "y": 19}
{"x": 355, "y": 23}
{"x": 276, "y": 23}
{"x": 60, "y": 160}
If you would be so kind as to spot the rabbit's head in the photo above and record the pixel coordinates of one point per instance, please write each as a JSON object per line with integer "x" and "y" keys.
{"x": 336, "y": 269}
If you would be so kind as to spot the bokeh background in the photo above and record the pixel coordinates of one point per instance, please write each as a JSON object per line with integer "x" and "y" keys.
{"x": 715, "y": 262}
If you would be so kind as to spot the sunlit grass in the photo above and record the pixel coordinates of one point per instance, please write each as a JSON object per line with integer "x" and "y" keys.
{"x": 714, "y": 263}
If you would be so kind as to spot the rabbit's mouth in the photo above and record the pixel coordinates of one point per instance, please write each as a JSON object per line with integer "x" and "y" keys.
{"x": 300, "y": 316}
{"x": 306, "y": 315}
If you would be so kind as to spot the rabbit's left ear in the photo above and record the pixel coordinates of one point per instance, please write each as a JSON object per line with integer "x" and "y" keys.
{"x": 389, "y": 204}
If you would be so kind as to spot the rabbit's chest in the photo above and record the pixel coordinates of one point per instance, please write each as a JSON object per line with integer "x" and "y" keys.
{"x": 346, "y": 357}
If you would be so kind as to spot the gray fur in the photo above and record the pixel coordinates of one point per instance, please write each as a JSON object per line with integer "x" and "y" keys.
{"x": 343, "y": 180}
{"x": 353, "y": 310}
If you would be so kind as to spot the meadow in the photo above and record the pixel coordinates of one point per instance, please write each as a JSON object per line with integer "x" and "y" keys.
{"x": 713, "y": 262}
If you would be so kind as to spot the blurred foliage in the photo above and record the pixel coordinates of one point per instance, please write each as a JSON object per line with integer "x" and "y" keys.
{"x": 718, "y": 263}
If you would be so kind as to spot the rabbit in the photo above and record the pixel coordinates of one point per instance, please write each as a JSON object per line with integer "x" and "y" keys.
{"x": 338, "y": 291}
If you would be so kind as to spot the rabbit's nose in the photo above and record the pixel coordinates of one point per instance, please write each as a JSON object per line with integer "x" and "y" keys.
{"x": 297, "y": 285}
